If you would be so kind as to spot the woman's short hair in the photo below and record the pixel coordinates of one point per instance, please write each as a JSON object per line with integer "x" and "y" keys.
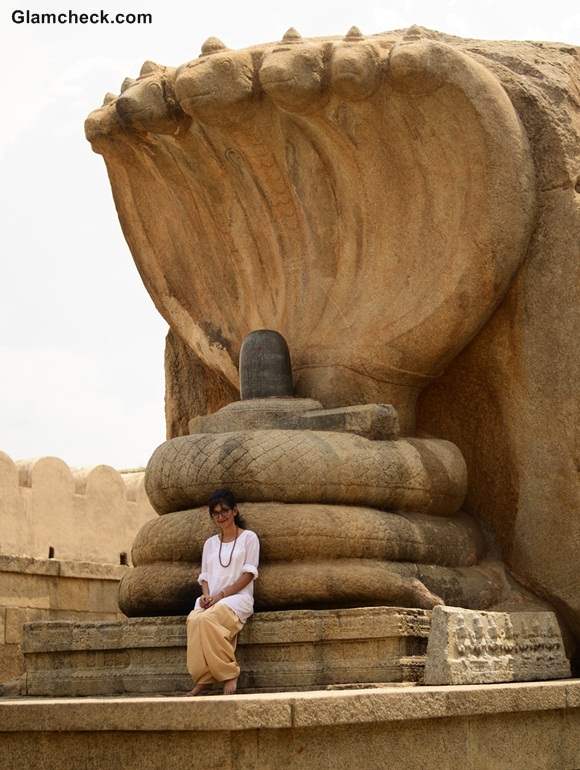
{"x": 227, "y": 499}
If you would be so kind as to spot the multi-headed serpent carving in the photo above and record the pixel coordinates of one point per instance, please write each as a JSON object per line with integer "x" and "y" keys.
{"x": 369, "y": 200}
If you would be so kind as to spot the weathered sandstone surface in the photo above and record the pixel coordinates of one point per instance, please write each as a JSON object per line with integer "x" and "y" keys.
{"x": 319, "y": 556}
{"x": 369, "y": 198}
{"x": 512, "y": 727}
{"x": 277, "y": 651}
{"x": 292, "y": 532}
{"x": 422, "y": 475}
{"x": 170, "y": 588}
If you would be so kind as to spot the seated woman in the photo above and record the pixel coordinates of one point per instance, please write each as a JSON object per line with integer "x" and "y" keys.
{"x": 229, "y": 566}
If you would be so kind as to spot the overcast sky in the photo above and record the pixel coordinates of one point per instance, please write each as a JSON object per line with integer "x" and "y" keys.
{"x": 81, "y": 345}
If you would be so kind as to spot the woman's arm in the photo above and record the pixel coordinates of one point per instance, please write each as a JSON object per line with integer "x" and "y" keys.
{"x": 202, "y": 579}
{"x": 234, "y": 588}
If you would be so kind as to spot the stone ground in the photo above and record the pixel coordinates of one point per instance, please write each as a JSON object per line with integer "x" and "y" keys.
{"x": 472, "y": 727}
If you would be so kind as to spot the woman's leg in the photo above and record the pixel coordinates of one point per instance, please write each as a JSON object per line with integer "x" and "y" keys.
{"x": 211, "y": 643}
{"x": 196, "y": 663}
{"x": 218, "y": 631}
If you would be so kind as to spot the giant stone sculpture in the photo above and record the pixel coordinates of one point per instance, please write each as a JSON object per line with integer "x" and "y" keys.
{"x": 402, "y": 209}
{"x": 324, "y": 543}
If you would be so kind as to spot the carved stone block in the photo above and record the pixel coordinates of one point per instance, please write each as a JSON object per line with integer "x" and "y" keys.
{"x": 378, "y": 422}
{"x": 468, "y": 647}
{"x": 290, "y": 650}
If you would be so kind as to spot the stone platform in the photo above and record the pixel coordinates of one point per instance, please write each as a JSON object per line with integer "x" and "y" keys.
{"x": 288, "y": 650}
{"x": 523, "y": 726}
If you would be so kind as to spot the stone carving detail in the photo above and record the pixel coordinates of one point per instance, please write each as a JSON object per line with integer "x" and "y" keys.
{"x": 467, "y": 647}
{"x": 301, "y": 161}
{"x": 294, "y": 466}
{"x": 372, "y": 421}
{"x": 318, "y": 555}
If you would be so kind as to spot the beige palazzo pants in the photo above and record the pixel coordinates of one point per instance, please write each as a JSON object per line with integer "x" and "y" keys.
{"x": 211, "y": 644}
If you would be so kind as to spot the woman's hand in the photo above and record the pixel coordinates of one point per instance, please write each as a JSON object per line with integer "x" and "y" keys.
{"x": 206, "y": 602}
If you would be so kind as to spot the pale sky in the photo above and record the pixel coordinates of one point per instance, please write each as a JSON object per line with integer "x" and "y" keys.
{"x": 81, "y": 348}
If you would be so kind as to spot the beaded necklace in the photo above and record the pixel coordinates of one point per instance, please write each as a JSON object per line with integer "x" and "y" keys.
{"x": 231, "y": 552}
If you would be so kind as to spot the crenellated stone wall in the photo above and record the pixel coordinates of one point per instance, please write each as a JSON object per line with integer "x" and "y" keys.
{"x": 86, "y": 514}
{"x": 51, "y": 589}
{"x": 65, "y": 543}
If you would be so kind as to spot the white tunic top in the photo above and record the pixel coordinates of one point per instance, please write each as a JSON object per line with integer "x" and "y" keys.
{"x": 245, "y": 558}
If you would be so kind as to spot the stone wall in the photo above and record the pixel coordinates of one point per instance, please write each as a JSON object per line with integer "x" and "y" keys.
{"x": 65, "y": 542}
{"x": 50, "y": 589}
{"x": 87, "y": 514}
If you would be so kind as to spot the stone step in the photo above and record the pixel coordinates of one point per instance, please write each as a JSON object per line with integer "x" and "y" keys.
{"x": 529, "y": 726}
{"x": 296, "y": 650}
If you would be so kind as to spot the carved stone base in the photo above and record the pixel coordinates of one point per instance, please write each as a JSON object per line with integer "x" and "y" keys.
{"x": 277, "y": 651}
{"x": 467, "y": 647}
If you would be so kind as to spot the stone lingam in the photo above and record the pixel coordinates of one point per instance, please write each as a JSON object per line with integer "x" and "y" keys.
{"x": 402, "y": 209}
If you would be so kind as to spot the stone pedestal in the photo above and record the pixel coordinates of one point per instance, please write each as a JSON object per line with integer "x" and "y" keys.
{"x": 278, "y": 650}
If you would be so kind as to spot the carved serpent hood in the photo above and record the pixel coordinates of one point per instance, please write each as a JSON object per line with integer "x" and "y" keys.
{"x": 369, "y": 198}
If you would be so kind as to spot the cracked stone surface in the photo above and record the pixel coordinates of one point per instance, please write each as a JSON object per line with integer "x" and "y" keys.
{"x": 301, "y": 532}
{"x": 423, "y": 475}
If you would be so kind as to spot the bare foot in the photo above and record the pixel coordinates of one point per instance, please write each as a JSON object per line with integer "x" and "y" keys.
{"x": 197, "y": 690}
{"x": 230, "y": 686}
{"x": 424, "y": 598}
